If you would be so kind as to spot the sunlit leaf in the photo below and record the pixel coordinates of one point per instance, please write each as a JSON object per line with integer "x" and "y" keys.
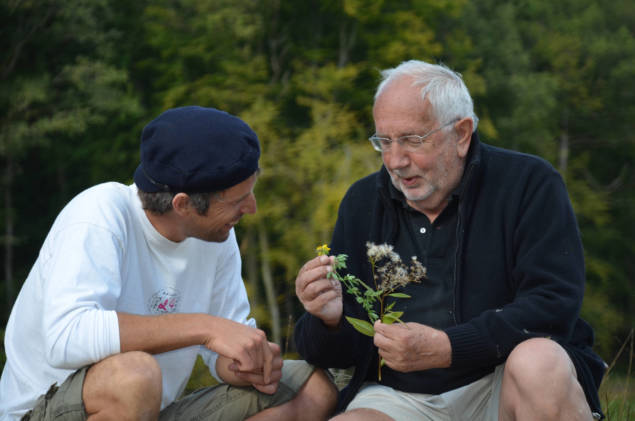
{"x": 362, "y": 326}
{"x": 391, "y": 317}
{"x": 399, "y": 295}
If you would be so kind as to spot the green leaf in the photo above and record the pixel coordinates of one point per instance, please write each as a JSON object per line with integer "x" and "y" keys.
{"x": 353, "y": 290}
{"x": 399, "y": 295}
{"x": 340, "y": 261}
{"x": 392, "y": 317}
{"x": 362, "y": 326}
{"x": 390, "y": 306}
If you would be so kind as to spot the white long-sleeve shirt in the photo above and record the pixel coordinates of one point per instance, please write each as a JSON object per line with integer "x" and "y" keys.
{"x": 103, "y": 256}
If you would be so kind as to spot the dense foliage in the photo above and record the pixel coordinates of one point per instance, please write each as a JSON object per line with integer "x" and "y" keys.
{"x": 80, "y": 78}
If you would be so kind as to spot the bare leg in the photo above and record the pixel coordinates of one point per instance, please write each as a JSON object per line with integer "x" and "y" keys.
{"x": 316, "y": 400}
{"x": 362, "y": 414}
{"x": 123, "y": 387}
{"x": 540, "y": 383}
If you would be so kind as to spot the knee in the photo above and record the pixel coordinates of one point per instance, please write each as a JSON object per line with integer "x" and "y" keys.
{"x": 318, "y": 396}
{"x": 124, "y": 386}
{"x": 540, "y": 379}
{"x": 138, "y": 373}
{"x": 538, "y": 362}
{"x": 135, "y": 381}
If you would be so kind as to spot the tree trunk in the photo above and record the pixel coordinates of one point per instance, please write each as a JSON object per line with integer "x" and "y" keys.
{"x": 563, "y": 149}
{"x": 563, "y": 153}
{"x": 251, "y": 266}
{"x": 267, "y": 280}
{"x": 348, "y": 35}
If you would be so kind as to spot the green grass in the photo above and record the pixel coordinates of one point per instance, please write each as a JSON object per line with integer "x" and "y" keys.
{"x": 200, "y": 377}
{"x": 616, "y": 391}
{"x": 618, "y": 399}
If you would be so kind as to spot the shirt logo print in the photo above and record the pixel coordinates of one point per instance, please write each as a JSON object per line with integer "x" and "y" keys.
{"x": 166, "y": 300}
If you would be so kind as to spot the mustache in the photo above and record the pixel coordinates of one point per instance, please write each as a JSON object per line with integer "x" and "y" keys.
{"x": 404, "y": 174}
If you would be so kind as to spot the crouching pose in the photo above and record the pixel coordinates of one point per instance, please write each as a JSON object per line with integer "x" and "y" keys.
{"x": 133, "y": 282}
{"x": 493, "y": 331}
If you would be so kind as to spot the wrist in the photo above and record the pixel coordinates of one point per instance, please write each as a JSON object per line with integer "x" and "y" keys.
{"x": 332, "y": 324}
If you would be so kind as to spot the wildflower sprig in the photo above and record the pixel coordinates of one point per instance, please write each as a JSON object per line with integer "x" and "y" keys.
{"x": 389, "y": 274}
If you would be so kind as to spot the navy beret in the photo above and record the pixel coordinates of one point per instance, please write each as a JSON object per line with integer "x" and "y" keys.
{"x": 196, "y": 150}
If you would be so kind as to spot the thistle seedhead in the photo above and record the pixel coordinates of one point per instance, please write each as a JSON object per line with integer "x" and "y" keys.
{"x": 390, "y": 270}
{"x": 383, "y": 251}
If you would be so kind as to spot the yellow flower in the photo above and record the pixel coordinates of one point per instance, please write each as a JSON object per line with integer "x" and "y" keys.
{"x": 323, "y": 250}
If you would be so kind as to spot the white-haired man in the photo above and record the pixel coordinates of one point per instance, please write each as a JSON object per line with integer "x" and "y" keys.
{"x": 493, "y": 332}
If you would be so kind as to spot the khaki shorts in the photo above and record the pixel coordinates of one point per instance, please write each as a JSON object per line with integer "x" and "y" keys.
{"x": 475, "y": 401}
{"x": 221, "y": 402}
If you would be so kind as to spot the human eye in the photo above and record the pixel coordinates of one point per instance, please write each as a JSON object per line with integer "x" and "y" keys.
{"x": 385, "y": 142}
{"x": 412, "y": 141}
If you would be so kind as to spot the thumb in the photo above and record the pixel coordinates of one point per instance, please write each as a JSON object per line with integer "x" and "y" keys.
{"x": 379, "y": 327}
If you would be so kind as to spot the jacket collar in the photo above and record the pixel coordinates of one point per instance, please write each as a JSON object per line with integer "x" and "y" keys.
{"x": 472, "y": 163}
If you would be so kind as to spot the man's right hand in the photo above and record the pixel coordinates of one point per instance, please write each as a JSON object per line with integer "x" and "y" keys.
{"x": 320, "y": 296}
{"x": 246, "y": 346}
{"x": 228, "y": 370}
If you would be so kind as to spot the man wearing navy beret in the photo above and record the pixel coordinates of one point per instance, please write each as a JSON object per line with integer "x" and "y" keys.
{"x": 134, "y": 282}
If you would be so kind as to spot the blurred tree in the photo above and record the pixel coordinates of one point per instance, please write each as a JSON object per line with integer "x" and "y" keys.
{"x": 57, "y": 87}
{"x": 557, "y": 78}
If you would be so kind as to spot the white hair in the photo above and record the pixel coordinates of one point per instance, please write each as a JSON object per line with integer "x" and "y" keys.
{"x": 442, "y": 87}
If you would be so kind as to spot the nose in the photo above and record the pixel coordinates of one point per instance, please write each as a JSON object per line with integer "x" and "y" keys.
{"x": 250, "y": 205}
{"x": 396, "y": 157}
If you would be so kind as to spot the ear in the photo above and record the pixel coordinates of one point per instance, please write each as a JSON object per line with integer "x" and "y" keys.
{"x": 463, "y": 129}
{"x": 181, "y": 203}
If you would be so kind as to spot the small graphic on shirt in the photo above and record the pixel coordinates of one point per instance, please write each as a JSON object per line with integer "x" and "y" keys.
{"x": 165, "y": 300}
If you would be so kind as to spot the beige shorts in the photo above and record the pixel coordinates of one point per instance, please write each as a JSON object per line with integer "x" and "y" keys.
{"x": 475, "y": 401}
{"x": 221, "y": 402}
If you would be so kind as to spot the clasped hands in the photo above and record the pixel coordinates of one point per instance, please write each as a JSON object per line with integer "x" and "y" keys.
{"x": 404, "y": 347}
{"x": 245, "y": 357}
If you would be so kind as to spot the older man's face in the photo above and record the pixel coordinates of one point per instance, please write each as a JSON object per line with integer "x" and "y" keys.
{"x": 428, "y": 176}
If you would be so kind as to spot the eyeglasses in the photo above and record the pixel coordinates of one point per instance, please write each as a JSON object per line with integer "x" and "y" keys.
{"x": 411, "y": 143}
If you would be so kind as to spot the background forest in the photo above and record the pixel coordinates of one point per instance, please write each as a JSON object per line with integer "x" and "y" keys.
{"x": 80, "y": 78}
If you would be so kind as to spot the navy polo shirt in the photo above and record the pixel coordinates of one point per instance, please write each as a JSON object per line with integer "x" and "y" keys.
{"x": 432, "y": 300}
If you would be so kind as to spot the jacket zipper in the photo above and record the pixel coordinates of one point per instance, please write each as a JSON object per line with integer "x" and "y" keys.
{"x": 459, "y": 224}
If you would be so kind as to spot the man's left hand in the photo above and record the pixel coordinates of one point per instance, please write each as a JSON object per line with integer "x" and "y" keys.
{"x": 409, "y": 347}
{"x": 256, "y": 378}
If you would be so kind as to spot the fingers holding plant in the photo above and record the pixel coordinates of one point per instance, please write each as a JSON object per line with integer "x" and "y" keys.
{"x": 407, "y": 347}
{"x": 319, "y": 293}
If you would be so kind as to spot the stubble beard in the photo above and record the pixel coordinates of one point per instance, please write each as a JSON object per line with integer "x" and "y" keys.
{"x": 411, "y": 195}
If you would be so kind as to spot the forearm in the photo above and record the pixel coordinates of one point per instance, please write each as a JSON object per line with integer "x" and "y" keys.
{"x": 162, "y": 333}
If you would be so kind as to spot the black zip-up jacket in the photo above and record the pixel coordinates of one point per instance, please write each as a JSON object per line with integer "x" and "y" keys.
{"x": 519, "y": 273}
